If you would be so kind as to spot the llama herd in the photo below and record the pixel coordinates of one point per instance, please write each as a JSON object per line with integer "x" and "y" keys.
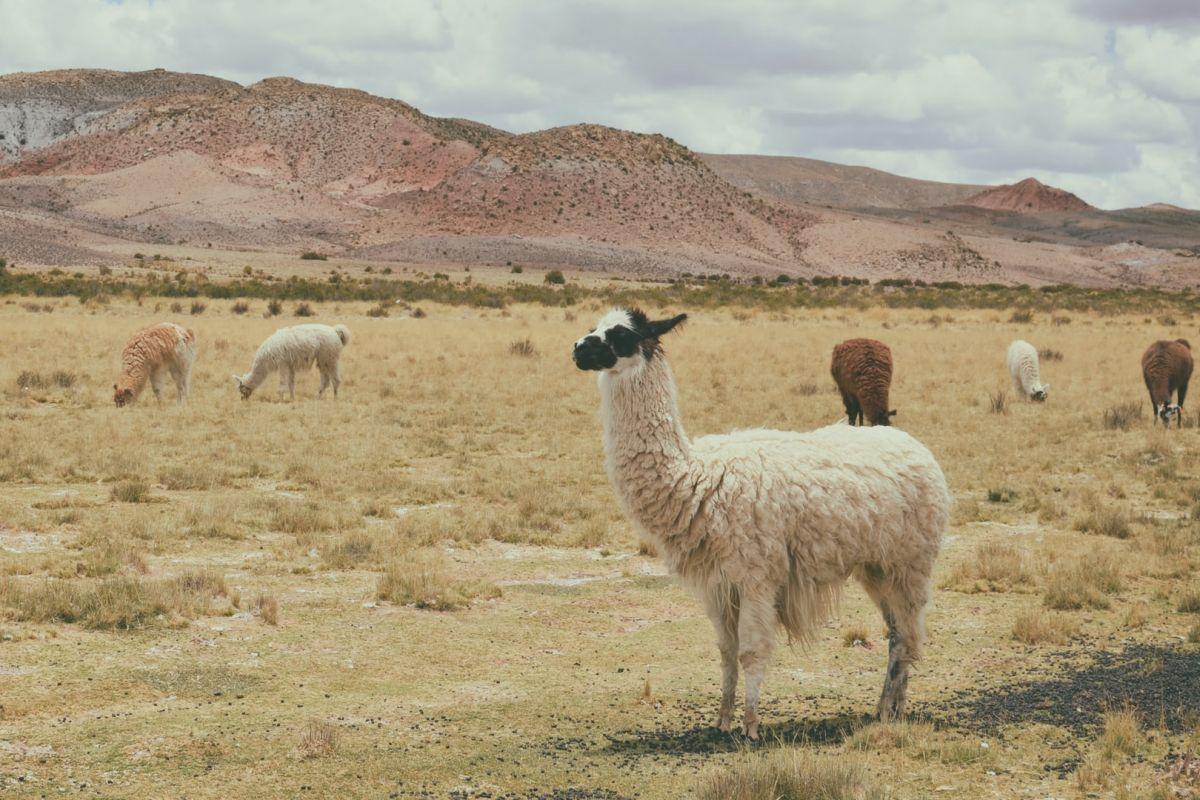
{"x": 170, "y": 349}
{"x": 765, "y": 526}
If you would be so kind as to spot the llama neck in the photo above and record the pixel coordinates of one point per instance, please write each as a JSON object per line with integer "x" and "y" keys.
{"x": 258, "y": 373}
{"x": 647, "y": 453}
{"x": 133, "y": 377}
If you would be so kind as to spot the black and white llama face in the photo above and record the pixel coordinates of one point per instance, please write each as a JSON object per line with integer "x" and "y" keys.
{"x": 1041, "y": 393}
{"x": 623, "y": 339}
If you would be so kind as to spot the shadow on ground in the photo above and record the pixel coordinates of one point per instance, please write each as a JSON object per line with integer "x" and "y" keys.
{"x": 705, "y": 739}
{"x": 1160, "y": 683}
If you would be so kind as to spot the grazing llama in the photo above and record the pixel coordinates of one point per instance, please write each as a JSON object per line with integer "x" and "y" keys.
{"x": 1167, "y": 368}
{"x": 152, "y": 354}
{"x": 765, "y": 526}
{"x": 297, "y": 348}
{"x": 862, "y": 370}
{"x": 1025, "y": 373}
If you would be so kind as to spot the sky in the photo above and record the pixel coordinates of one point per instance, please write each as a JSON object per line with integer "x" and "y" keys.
{"x": 1101, "y": 97}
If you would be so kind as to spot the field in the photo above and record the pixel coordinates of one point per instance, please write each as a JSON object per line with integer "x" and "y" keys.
{"x": 426, "y": 588}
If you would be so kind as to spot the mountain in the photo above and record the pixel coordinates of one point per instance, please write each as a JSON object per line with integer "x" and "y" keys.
{"x": 1029, "y": 196}
{"x": 167, "y": 158}
{"x": 96, "y": 165}
{"x": 807, "y": 180}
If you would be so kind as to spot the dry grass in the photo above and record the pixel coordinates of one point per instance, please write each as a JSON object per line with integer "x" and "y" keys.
{"x": 319, "y": 739}
{"x": 994, "y": 567}
{"x": 457, "y": 468}
{"x": 1122, "y": 416}
{"x": 1106, "y": 522}
{"x": 1036, "y": 626}
{"x": 788, "y": 774}
{"x": 1083, "y": 582}
{"x": 423, "y": 579}
{"x": 114, "y": 603}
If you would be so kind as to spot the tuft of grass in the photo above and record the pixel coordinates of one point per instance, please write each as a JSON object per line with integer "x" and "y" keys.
{"x": 319, "y": 739}
{"x": 267, "y": 608}
{"x": 994, "y": 567}
{"x": 348, "y": 552}
{"x": 121, "y": 603}
{"x": 555, "y": 277}
{"x": 198, "y": 308}
{"x": 310, "y": 255}
{"x": 240, "y": 307}
{"x": 788, "y": 774}
{"x": 1022, "y": 316}
{"x": 1038, "y": 626}
{"x": 998, "y": 402}
{"x": 1122, "y": 733}
{"x": 523, "y": 348}
{"x": 274, "y": 308}
{"x": 422, "y": 580}
{"x": 133, "y": 491}
{"x": 304, "y": 310}
{"x": 28, "y": 380}
{"x": 1084, "y": 582}
{"x": 378, "y": 311}
{"x": 1122, "y": 416}
{"x": 1001, "y": 495}
{"x": 1106, "y": 522}
{"x": 1189, "y": 601}
{"x": 1049, "y": 354}
{"x": 856, "y": 636}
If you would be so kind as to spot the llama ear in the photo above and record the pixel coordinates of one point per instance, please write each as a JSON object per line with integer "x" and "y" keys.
{"x": 658, "y": 328}
{"x": 237, "y": 380}
{"x": 114, "y": 387}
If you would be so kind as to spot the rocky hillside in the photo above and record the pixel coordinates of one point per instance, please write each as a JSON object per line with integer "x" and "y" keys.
{"x": 169, "y": 158}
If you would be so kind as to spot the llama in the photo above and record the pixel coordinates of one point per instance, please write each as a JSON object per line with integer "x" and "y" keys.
{"x": 1166, "y": 369}
{"x": 151, "y": 354}
{"x": 765, "y": 526}
{"x": 297, "y": 348}
{"x": 1023, "y": 368}
{"x": 862, "y": 370}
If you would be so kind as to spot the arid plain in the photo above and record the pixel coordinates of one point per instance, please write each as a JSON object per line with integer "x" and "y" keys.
{"x": 426, "y": 588}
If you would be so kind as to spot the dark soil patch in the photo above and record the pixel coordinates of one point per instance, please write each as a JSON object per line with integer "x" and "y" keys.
{"x": 1160, "y": 683}
{"x": 706, "y": 739}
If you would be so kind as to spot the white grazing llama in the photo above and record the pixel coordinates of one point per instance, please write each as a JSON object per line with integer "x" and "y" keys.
{"x": 150, "y": 355}
{"x": 1023, "y": 368}
{"x": 297, "y": 348}
{"x": 765, "y": 526}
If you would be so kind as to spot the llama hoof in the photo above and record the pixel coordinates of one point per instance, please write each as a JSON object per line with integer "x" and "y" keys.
{"x": 724, "y": 725}
{"x": 752, "y": 730}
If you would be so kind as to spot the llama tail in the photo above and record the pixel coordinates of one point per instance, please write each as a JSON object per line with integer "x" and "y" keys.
{"x": 343, "y": 333}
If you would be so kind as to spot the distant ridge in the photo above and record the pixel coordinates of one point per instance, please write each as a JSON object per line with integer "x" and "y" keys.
{"x": 1029, "y": 196}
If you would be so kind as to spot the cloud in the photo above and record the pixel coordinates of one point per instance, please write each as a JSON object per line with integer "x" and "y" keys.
{"x": 1099, "y": 96}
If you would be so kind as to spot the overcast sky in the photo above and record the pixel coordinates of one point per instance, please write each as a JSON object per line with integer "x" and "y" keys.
{"x": 1101, "y": 97}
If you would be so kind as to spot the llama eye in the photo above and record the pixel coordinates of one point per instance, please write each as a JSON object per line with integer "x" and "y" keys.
{"x": 623, "y": 341}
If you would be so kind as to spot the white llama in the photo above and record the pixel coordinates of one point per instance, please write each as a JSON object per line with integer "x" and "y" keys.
{"x": 297, "y": 348}
{"x": 765, "y": 526}
{"x": 1024, "y": 371}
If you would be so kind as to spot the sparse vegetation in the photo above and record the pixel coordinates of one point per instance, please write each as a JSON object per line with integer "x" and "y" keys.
{"x": 422, "y": 580}
{"x": 1038, "y": 626}
{"x": 523, "y": 348}
{"x": 787, "y": 774}
{"x": 310, "y": 255}
{"x": 1122, "y": 416}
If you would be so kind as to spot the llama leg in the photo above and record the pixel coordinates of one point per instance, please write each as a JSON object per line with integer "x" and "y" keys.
{"x": 324, "y": 382}
{"x": 906, "y": 604}
{"x": 180, "y": 379}
{"x": 722, "y": 610}
{"x": 1182, "y": 394}
{"x": 756, "y": 640}
{"x": 290, "y": 374}
{"x": 848, "y": 402}
{"x": 335, "y": 377}
{"x": 156, "y": 383}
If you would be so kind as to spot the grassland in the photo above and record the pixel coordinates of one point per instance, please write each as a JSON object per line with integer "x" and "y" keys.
{"x": 426, "y": 589}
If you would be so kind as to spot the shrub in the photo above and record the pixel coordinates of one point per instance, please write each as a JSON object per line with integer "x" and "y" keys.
{"x": 517, "y": 269}
{"x": 267, "y": 608}
{"x": 1048, "y": 354}
{"x": 380, "y": 310}
{"x": 994, "y": 567}
{"x": 310, "y": 255}
{"x": 274, "y": 308}
{"x": 1189, "y": 602}
{"x": 1122, "y": 416}
{"x": 319, "y": 739}
{"x": 198, "y": 307}
{"x": 1022, "y": 316}
{"x": 522, "y": 347}
{"x": 304, "y": 310}
{"x": 240, "y": 307}
{"x": 28, "y": 380}
{"x": 176, "y": 307}
{"x": 555, "y": 277}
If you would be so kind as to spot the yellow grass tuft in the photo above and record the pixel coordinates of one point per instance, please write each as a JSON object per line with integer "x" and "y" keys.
{"x": 788, "y": 774}
{"x": 994, "y": 567}
{"x": 1083, "y": 582}
{"x": 422, "y": 579}
{"x": 1039, "y": 626}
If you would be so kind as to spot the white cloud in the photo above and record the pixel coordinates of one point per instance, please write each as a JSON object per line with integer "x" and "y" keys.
{"x": 1085, "y": 93}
